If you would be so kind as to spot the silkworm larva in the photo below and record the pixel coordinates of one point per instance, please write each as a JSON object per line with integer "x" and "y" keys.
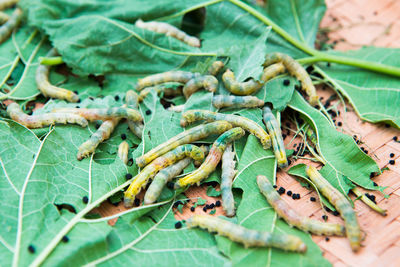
{"x": 162, "y": 178}
{"x": 132, "y": 101}
{"x": 49, "y": 90}
{"x": 169, "y": 76}
{"x": 188, "y": 136}
{"x": 159, "y": 163}
{"x": 292, "y": 217}
{"x": 177, "y": 109}
{"x": 275, "y": 133}
{"x": 247, "y": 237}
{"x": 228, "y": 172}
{"x": 7, "y": 28}
{"x": 212, "y": 159}
{"x": 168, "y": 91}
{"x": 103, "y": 114}
{"x": 103, "y": 133}
{"x": 208, "y": 82}
{"x": 295, "y": 69}
{"x": 239, "y": 88}
{"x": 4, "y": 4}
{"x": 123, "y": 150}
{"x": 3, "y": 17}
{"x": 215, "y": 68}
{"x": 341, "y": 203}
{"x": 222, "y": 101}
{"x": 39, "y": 121}
{"x": 272, "y": 71}
{"x": 247, "y": 124}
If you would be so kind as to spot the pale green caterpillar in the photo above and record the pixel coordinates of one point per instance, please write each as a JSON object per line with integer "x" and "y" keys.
{"x": 272, "y": 71}
{"x": 240, "y": 88}
{"x": 4, "y": 4}
{"x": 103, "y": 114}
{"x": 167, "y": 90}
{"x": 123, "y": 150}
{"x": 165, "y": 77}
{"x": 222, "y": 101}
{"x": 215, "y": 68}
{"x": 228, "y": 173}
{"x": 208, "y": 82}
{"x": 247, "y": 237}
{"x": 132, "y": 101}
{"x": 12, "y": 23}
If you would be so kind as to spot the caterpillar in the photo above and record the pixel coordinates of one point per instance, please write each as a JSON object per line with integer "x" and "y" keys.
{"x": 123, "y": 150}
{"x": 215, "y": 68}
{"x": 275, "y": 133}
{"x": 228, "y": 173}
{"x": 209, "y": 82}
{"x": 240, "y": 88}
{"x": 188, "y": 136}
{"x": 169, "y": 76}
{"x": 103, "y": 114}
{"x": 168, "y": 30}
{"x": 342, "y": 205}
{"x": 3, "y": 17}
{"x": 12, "y": 23}
{"x": 247, "y": 237}
{"x": 131, "y": 101}
{"x": 294, "y": 69}
{"x": 247, "y": 124}
{"x": 159, "y": 163}
{"x": 4, "y": 4}
{"x": 222, "y": 101}
{"x": 39, "y": 121}
{"x": 178, "y": 108}
{"x": 167, "y": 90}
{"x": 212, "y": 159}
{"x": 292, "y": 217}
{"x": 272, "y": 70}
{"x": 49, "y": 90}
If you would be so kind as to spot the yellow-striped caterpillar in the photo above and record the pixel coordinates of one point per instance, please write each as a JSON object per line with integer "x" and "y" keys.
{"x": 103, "y": 114}
{"x": 123, "y": 150}
{"x": 165, "y": 77}
{"x": 272, "y": 70}
{"x": 12, "y": 23}
{"x": 247, "y": 237}
{"x": 132, "y": 101}
{"x": 215, "y": 68}
{"x": 240, "y": 88}
{"x": 222, "y": 101}
{"x": 208, "y": 82}
{"x": 228, "y": 173}
{"x": 172, "y": 90}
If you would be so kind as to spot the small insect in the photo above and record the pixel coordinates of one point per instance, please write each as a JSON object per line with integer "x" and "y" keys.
{"x": 222, "y": 101}
{"x": 12, "y": 23}
{"x": 275, "y": 133}
{"x": 215, "y": 68}
{"x": 247, "y": 124}
{"x": 228, "y": 173}
{"x": 3, "y": 17}
{"x": 132, "y": 101}
{"x": 49, "y": 90}
{"x": 272, "y": 71}
{"x": 240, "y": 88}
{"x": 295, "y": 69}
{"x": 4, "y": 4}
{"x": 103, "y": 114}
{"x": 155, "y": 166}
{"x": 39, "y": 121}
{"x": 247, "y": 237}
{"x": 168, "y": 90}
{"x": 168, "y": 30}
{"x": 165, "y": 77}
{"x": 189, "y": 136}
{"x": 342, "y": 205}
{"x": 212, "y": 159}
{"x": 208, "y": 82}
{"x": 123, "y": 150}
{"x": 292, "y": 217}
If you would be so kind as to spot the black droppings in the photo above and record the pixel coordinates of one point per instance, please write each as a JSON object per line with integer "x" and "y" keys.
{"x": 217, "y": 203}
{"x": 128, "y": 176}
{"x": 192, "y": 209}
{"x": 327, "y": 239}
{"x": 205, "y": 209}
{"x": 274, "y": 186}
{"x": 79, "y": 101}
{"x": 116, "y": 98}
{"x": 85, "y": 199}
{"x": 371, "y": 197}
{"x": 212, "y": 205}
{"x": 324, "y": 217}
{"x": 313, "y": 199}
{"x": 137, "y": 202}
{"x": 178, "y": 225}
{"x": 392, "y": 162}
{"x": 123, "y": 136}
{"x": 130, "y": 162}
{"x": 339, "y": 123}
{"x": 286, "y": 82}
{"x": 177, "y": 203}
{"x": 65, "y": 239}
{"x": 148, "y": 112}
{"x": 31, "y": 249}
{"x": 335, "y": 213}
{"x": 77, "y": 107}
{"x": 281, "y": 190}
{"x": 394, "y": 138}
{"x": 391, "y": 155}
{"x": 207, "y": 206}
{"x": 372, "y": 175}
{"x": 289, "y": 193}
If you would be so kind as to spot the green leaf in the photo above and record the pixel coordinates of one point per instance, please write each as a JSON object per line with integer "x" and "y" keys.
{"x": 211, "y": 192}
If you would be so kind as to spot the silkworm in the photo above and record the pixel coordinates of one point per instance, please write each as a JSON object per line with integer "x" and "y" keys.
{"x": 3, "y": 17}
{"x": 240, "y": 88}
{"x": 228, "y": 173}
{"x": 275, "y": 133}
{"x": 168, "y": 30}
{"x": 208, "y": 82}
{"x": 188, "y": 136}
{"x": 215, "y": 68}
{"x": 169, "y": 76}
{"x": 178, "y": 108}
{"x": 296, "y": 70}
{"x": 39, "y": 121}
{"x": 272, "y": 71}
{"x": 162, "y": 178}
{"x": 222, "y": 101}
{"x": 212, "y": 159}
{"x": 123, "y": 150}
{"x": 4, "y": 4}
{"x": 132, "y": 101}
{"x": 167, "y": 90}
{"x": 49, "y": 90}
{"x": 247, "y": 124}
{"x": 103, "y": 114}
{"x": 12, "y": 23}
{"x": 247, "y": 237}
{"x": 342, "y": 205}
{"x": 159, "y": 163}
{"x": 292, "y": 217}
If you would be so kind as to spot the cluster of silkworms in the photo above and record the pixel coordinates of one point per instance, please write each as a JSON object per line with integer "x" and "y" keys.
{"x": 9, "y": 23}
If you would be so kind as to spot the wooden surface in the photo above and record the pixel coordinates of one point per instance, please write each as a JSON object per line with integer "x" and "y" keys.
{"x": 351, "y": 25}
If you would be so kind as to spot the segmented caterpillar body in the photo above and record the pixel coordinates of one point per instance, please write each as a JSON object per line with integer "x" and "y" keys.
{"x": 239, "y": 88}
{"x": 123, "y": 150}
{"x": 272, "y": 71}
{"x": 208, "y": 82}
{"x": 188, "y": 136}
{"x": 247, "y": 124}
{"x": 39, "y": 121}
{"x": 169, "y": 76}
{"x": 212, "y": 159}
{"x": 215, "y": 68}
{"x": 168, "y": 91}
{"x": 169, "y": 30}
{"x": 295, "y": 69}
{"x": 132, "y": 101}
{"x": 292, "y": 217}
{"x": 12, "y": 23}
{"x": 275, "y": 133}
{"x": 228, "y": 173}
{"x": 341, "y": 203}
{"x": 222, "y": 101}
{"x": 103, "y": 114}
{"x": 49, "y": 90}
{"x": 247, "y": 237}
{"x": 3, "y": 17}
{"x": 4, "y": 4}
{"x": 159, "y": 163}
